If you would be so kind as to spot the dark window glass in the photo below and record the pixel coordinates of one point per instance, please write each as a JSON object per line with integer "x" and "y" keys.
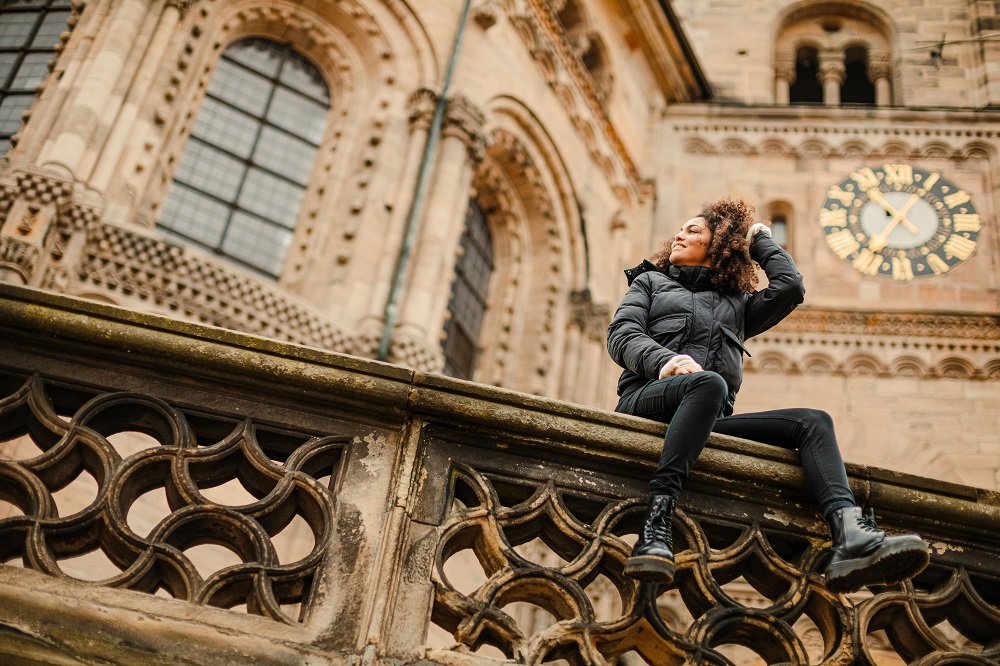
{"x": 779, "y": 231}
{"x": 807, "y": 88}
{"x": 240, "y": 183}
{"x": 468, "y": 296}
{"x": 29, "y": 32}
{"x": 857, "y": 88}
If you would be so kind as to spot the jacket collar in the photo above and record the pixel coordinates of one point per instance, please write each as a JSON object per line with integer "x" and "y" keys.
{"x": 695, "y": 278}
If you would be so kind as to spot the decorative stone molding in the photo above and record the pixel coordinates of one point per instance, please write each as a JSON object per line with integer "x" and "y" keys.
{"x": 893, "y": 324}
{"x": 18, "y": 257}
{"x": 188, "y": 283}
{"x": 785, "y": 71}
{"x": 879, "y": 65}
{"x": 37, "y": 211}
{"x": 822, "y": 145}
{"x": 465, "y": 120}
{"x": 412, "y": 351}
{"x": 559, "y": 63}
{"x": 421, "y": 107}
{"x": 591, "y": 318}
{"x": 884, "y": 344}
{"x": 486, "y": 13}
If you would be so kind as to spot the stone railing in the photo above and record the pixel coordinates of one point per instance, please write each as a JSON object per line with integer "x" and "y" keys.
{"x": 179, "y": 494}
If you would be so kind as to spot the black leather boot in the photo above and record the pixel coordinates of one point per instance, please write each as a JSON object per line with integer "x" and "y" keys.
{"x": 863, "y": 555}
{"x": 653, "y": 555}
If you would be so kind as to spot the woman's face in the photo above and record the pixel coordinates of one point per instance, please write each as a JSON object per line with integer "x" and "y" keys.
{"x": 690, "y": 245}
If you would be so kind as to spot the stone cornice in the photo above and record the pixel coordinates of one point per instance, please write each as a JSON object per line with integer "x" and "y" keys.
{"x": 806, "y": 120}
{"x": 895, "y": 324}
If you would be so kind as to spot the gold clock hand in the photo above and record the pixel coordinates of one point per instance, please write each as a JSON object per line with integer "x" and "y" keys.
{"x": 875, "y": 194}
{"x": 880, "y": 240}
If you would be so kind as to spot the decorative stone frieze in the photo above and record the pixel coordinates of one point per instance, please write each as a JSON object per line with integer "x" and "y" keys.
{"x": 851, "y": 343}
{"x": 186, "y": 282}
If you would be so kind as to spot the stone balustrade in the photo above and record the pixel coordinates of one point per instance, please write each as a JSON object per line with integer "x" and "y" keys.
{"x": 175, "y": 493}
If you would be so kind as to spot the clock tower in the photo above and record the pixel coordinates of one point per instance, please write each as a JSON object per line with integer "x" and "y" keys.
{"x": 876, "y": 163}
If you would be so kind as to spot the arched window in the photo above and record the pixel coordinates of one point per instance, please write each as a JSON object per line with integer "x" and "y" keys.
{"x": 29, "y": 31}
{"x": 468, "y": 295}
{"x": 780, "y": 214}
{"x": 241, "y": 180}
{"x": 849, "y": 47}
{"x": 807, "y": 88}
{"x": 857, "y": 87}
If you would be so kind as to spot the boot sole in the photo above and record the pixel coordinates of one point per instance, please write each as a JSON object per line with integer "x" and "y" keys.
{"x": 650, "y": 569}
{"x": 886, "y": 566}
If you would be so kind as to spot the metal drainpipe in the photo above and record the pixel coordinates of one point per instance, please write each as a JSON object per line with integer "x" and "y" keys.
{"x": 423, "y": 181}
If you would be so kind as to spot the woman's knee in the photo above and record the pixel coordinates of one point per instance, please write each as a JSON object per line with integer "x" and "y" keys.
{"x": 711, "y": 384}
{"x": 816, "y": 423}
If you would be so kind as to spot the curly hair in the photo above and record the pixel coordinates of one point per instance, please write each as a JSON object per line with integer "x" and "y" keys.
{"x": 731, "y": 268}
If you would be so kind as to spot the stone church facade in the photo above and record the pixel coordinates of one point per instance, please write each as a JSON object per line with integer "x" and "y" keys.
{"x": 458, "y": 186}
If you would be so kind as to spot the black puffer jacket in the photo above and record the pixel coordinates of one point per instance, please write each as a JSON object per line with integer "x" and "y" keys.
{"x": 679, "y": 312}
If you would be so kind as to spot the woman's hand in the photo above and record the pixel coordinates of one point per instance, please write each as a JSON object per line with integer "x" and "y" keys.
{"x": 756, "y": 228}
{"x": 682, "y": 364}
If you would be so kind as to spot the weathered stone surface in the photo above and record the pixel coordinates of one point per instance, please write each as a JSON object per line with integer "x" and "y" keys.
{"x": 430, "y": 512}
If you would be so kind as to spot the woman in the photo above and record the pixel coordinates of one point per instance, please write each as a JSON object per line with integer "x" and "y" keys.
{"x": 679, "y": 334}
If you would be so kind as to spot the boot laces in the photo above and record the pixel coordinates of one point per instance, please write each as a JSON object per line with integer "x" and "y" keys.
{"x": 867, "y": 521}
{"x": 659, "y": 526}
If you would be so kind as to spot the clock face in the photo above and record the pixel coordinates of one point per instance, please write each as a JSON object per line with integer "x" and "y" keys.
{"x": 900, "y": 221}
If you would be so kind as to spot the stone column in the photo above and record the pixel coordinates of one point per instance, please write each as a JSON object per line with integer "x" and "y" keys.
{"x": 121, "y": 135}
{"x": 784, "y": 77}
{"x": 832, "y": 74}
{"x": 432, "y": 267}
{"x": 879, "y": 72}
{"x": 69, "y": 147}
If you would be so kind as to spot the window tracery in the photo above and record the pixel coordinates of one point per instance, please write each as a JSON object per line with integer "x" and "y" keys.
{"x": 240, "y": 183}
{"x": 468, "y": 295}
{"x": 30, "y": 35}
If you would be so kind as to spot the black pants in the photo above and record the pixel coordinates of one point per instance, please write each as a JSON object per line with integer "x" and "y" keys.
{"x": 692, "y": 405}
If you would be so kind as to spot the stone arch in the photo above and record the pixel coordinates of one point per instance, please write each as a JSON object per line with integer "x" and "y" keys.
{"x": 909, "y": 366}
{"x": 852, "y": 41}
{"x": 955, "y": 367}
{"x": 539, "y": 251}
{"x": 863, "y": 365}
{"x": 771, "y": 362}
{"x": 371, "y": 57}
{"x": 781, "y": 215}
{"x": 818, "y": 364}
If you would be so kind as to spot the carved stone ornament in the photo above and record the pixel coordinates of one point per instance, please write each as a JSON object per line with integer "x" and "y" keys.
{"x": 466, "y": 120}
{"x": 421, "y": 107}
{"x": 832, "y": 70}
{"x": 486, "y": 13}
{"x": 181, "y": 468}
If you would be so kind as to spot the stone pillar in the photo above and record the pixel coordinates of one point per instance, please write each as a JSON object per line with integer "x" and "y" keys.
{"x": 879, "y": 72}
{"x": 784, "y": 77}
{"x": 69, "y": 148}
{"x": 121, "y": 135}
{"x": 832, "y": 74}
{"x": 432, "y": 266}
